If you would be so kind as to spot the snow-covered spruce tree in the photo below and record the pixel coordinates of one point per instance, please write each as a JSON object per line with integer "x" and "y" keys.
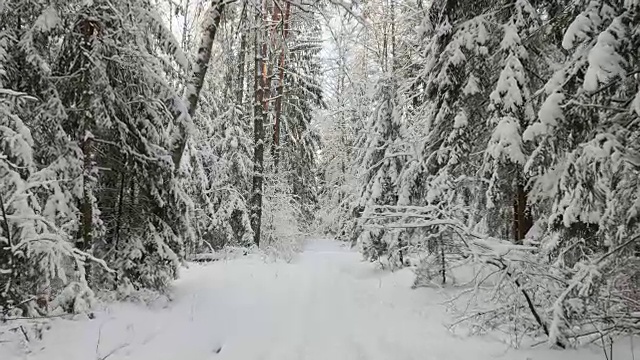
{"x": 575, "y": 288}
{"x": 381, "y": 157}
{"x": 39, "y": 169}
{"x": 586, "y": 166}
{"x": 376, "y": 114}
{"x": 127, "y": 100}
{"x": 472, "y": 79}
{"x": 302, "y": 96}
{"x": 220, "y": 153}
{"x": 467, "y": 92}
{"x": 225, "y": 160}
{"x": 39, "y": 261}
{"x": 446, "y": 86}
{"x": 450, "y": 75}
{"x": 103, "y": 126}
{"x": 564, "y": 154}
{"x": 511, "y": 111}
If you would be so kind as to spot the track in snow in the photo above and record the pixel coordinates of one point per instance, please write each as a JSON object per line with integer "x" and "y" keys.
{"x": 327, "y": 305}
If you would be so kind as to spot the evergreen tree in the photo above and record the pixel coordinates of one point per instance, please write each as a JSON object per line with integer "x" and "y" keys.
{"x": 95, "y": 165}
{"x": 382, "y": 158}
{"x": 511, "y": 107}
{"x": 586, "y": 165}
{"x": 302, "y": 97}
{"x": 221, "y": 151}
{"x": 520, "y": 125}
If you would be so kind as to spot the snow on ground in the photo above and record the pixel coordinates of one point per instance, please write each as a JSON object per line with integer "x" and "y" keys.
{"x": 326, "y": 305}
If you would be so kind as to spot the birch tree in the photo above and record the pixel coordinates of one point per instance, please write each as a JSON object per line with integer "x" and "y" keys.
{"x": 198, "y": 72}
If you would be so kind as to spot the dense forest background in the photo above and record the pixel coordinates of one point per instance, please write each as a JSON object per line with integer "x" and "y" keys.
{"x": 501, "y": 135}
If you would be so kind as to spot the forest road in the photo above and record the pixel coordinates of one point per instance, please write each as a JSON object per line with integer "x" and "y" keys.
{"x": 327, "y": 304}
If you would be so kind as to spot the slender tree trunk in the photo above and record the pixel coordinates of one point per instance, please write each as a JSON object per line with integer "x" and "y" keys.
{"x": 259, "y": 119}
{"x": 393, "y": 36}
{"x": 120, "y": 214}
{"x": 119, "y": 217}
{"x": 266, "y": 69}
{"x": 384, "y": 48}
{"x": 6, "y": 254}
{"x": 185, "y": 32}
{"x": 275, "y": 149}
{"x": 77, "y": 50}
{"x": 514, "y": 223}
{"x": 192, "y": 94}
{"x": 522, "y": 220}
{"x": 443, "y": 259}
{"x": 241, "y": 69}
{"x": 85, "y": 241}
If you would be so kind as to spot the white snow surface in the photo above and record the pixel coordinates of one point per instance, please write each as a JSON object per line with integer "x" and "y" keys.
{"x": 326, "y": 304}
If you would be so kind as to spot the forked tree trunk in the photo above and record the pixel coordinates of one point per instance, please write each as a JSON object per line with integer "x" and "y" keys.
{"x": 192, "y": 93}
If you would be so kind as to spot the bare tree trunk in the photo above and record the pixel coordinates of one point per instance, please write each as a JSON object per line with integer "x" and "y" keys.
{"x": 241, "y": 69}
{"x": 522, "y": 220}
{"x": 185, "y": 32}
{"x": 85, "y": 241}
{"x": 393, "y": 36}
{"x": 275, "y": 149}
{"x": 199, "y": 71}
{"x": 266, "y": 68}
{"x": 87, "y": 201}
{"x": 385, "y": 38}
{"x": 443, "y": 264}
{"x": 120, "y": 207}
{"x": 259, "y": 119}
{"x": 242, "y": 59}
{"x": 78, "y": 46}
{"x": 514, "y": 219}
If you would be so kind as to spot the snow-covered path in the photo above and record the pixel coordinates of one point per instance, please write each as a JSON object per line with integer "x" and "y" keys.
{"x": 326, "y": 305}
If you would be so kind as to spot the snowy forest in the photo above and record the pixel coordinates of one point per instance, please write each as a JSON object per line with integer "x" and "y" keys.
{"x": 500, "y": 138}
